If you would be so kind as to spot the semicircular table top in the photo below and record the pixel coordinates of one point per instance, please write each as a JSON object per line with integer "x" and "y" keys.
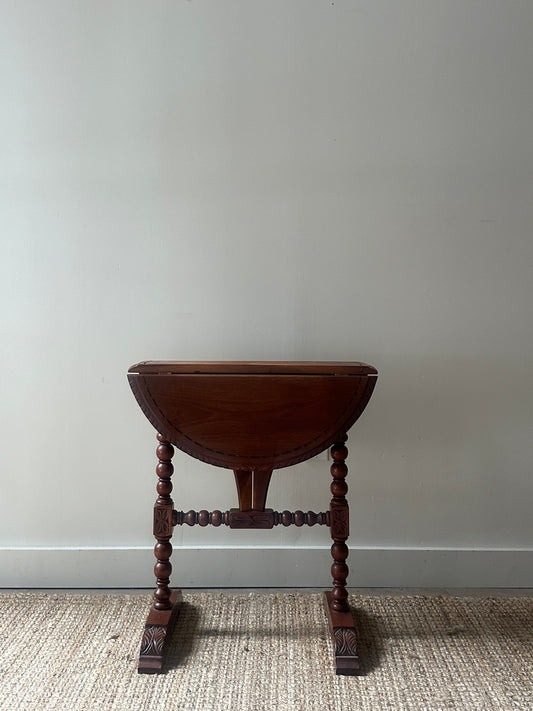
{"x": 252, "y": 414}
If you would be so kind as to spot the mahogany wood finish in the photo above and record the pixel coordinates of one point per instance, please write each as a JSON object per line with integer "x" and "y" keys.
{"x": 158, "y": 624}
{"x": 251, "y": 417}
{"x": 234, "y": 517}
{"x": 342, "y": 630}
{"x": 340, "y": 526}
{"x": 163, "y": 524}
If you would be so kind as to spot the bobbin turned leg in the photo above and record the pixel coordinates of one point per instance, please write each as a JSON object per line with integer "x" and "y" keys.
{"x": 165, "y": 602}
{"x": 340, "y": 618}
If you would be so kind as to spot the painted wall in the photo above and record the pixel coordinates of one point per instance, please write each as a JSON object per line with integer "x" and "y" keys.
{"x": 225, "y": 179}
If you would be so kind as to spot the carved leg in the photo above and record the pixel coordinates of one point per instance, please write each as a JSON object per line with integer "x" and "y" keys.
{"x": 340, "y": 526}
{"x": 340, "y": 619}
{"x": 163, "y": 524}
{"x": 165, "y": 602}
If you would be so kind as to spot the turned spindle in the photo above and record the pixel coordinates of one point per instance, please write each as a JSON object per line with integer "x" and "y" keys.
{"x": 163, "y": 524}
{"x": 340, "y": 526}
{"x": 234, "y": 518}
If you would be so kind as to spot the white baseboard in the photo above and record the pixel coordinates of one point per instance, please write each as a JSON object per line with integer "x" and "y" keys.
{"x": 265, "y": 567}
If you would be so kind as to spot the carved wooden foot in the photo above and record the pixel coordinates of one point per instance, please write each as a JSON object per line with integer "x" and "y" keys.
{"x": 342, "y": 629}
{"x": 156, "y": 630}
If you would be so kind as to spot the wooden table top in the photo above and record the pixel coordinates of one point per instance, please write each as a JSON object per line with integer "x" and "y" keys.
{"x": 252, "y": 414}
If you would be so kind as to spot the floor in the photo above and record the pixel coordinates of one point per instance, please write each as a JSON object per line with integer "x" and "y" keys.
{"x": 457, "y": 592}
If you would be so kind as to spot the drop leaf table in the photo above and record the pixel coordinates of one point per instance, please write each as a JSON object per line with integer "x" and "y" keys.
{"x": 251, "y": 417}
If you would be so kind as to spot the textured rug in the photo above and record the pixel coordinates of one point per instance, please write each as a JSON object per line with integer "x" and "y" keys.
{"x": 257, "y": 652}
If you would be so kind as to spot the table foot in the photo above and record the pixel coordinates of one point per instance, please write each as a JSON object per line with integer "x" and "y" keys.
{"x": 158, "y": 626}
{"x": 342, "y": 629}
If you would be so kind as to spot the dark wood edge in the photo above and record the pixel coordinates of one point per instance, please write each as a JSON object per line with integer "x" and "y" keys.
{"x": 158, "y": 626}
{"x": 253, "y": 367}
{"x": 342, "y": 630}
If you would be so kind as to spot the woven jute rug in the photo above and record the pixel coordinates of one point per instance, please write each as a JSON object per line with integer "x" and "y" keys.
{"x": 257, "y": 652}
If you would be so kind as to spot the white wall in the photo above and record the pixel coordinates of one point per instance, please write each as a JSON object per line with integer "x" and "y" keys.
{"x": 236, "y": 179}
